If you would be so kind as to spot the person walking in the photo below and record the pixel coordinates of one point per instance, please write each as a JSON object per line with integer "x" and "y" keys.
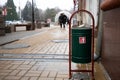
{"x": 62, "y": 20}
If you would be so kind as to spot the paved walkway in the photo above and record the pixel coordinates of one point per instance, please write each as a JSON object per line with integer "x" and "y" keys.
{"x": 9, "y": 37}
{"x": 45, "y": 59}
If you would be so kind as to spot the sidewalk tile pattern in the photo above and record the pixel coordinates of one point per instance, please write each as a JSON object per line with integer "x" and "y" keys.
{"x": 42, "y": 70}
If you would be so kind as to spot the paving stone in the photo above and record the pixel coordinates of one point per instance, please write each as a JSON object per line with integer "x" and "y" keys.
{"x": 41, "y": 68}
{"x": 22, "y": 73}
{"x": 66, "y": 79}
{"x": 45, "y": 74}
{"x": 17, "y": 62}
{"x": 1, "y": 77}
{"x": 14, "y": 66}
{"x": 3, "y": 74}
{"x": 2, "y": 66}
{"x": 58, "y": 78}
{"x": 12, "y": 78}
{"x": 41, "y": 63}
{"x": 51, "y": 68}
{"x": 26, "y": 62}
{"x": 32, "y": 63}
{"x": 14, "y": 72}
{"x": 8, "y": 66}
{"x": 46, "y": 78}
{"x": 5, "y": 71}
{"x": 35, "y": 68}
{"x": 5, "y": 62}
{"x": 52, "y": 74}
{"x": 33, "y": 73}
{"x": 24, "y": 67}
{"x": 25, "y": 78}
{"x": 62, "y": 76}
{"x": 34, "y": 78}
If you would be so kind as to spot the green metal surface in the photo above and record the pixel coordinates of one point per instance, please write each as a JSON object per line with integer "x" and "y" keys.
{"x": 81, "y": 45}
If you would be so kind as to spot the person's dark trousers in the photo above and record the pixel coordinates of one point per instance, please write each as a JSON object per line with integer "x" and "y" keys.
{"x": 64, "y": 25}
{"x": 60, "y": 25}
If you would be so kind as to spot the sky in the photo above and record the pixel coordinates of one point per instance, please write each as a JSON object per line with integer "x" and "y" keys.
{"x": 44, "y": 4}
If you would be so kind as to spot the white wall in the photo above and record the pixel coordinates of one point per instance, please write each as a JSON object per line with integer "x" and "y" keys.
{"x": 92, "y": 6}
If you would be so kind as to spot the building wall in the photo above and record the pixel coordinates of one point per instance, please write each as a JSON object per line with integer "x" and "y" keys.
{"x": 111, "y": 43}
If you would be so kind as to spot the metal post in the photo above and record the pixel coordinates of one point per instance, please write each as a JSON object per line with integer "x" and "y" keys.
{"x": 33, "y": 19}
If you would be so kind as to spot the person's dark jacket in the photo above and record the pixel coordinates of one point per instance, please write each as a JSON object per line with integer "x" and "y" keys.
{"x": 62, "y": 19}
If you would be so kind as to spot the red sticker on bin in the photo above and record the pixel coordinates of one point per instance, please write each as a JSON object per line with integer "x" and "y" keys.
{"x": 82, "y": 40}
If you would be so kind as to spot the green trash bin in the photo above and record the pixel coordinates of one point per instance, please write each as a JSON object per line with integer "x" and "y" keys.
{"x": 81, "y": 44}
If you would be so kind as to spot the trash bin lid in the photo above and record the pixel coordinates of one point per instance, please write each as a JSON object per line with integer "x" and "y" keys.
{"x": 81, "y": 30}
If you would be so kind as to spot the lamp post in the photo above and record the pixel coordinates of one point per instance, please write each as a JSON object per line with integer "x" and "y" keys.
{"x": 19, "y": 11}
{"x": 33, "y": 20}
